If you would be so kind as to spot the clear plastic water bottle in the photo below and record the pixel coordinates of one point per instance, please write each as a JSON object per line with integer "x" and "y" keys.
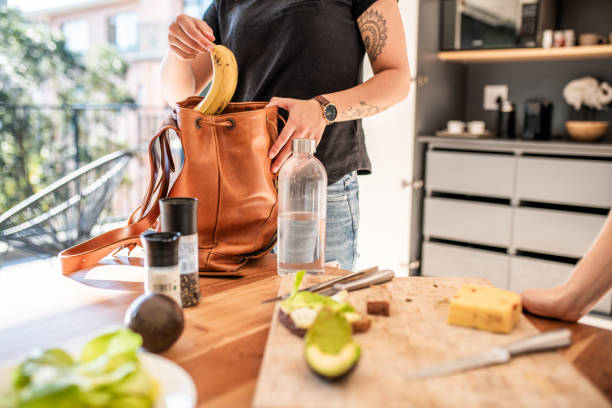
{"x": 302, "y": 206}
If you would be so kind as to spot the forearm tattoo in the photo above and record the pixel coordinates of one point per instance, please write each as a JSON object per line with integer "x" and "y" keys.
{"x": 364, "y": 109}
{"x": 373, "y": 27}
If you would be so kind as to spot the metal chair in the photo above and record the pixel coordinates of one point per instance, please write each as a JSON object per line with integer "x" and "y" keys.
{"x": 64, "y": 213}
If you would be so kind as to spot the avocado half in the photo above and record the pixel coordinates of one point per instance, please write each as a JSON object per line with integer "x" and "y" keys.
{"x": 330, "y": 351}
{"x": 333, "y": 366}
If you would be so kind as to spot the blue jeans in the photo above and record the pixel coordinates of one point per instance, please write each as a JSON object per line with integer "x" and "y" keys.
{"x": 342, "y": 221}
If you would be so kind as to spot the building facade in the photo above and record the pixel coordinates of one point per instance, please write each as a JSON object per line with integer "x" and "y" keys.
{"x": 137, "y": 28}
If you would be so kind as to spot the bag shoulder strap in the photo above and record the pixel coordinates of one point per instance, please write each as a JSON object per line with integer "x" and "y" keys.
{"x": 88, "y": 253}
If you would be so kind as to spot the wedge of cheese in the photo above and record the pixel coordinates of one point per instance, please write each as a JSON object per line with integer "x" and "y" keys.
{"x": 485, "y": 308}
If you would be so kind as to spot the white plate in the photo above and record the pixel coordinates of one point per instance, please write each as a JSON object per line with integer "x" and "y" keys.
{"x": 177, "y": 387}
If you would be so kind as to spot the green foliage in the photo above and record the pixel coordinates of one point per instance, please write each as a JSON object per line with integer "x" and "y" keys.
{"x": 104, "y": 69}
{"x": 36, "y": 145}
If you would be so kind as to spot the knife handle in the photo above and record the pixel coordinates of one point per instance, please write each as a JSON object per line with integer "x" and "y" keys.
{"x": 331, "y": 282}
{"x": 373, "y": 279}
{"x": 549, "y": 340}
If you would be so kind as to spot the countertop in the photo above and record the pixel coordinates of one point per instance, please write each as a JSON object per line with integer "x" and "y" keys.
{"x": 522, "y": 146}
{"x": 224, "y": 338}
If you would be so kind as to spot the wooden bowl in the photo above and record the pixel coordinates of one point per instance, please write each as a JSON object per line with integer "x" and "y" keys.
{"x": 586, "y": 131}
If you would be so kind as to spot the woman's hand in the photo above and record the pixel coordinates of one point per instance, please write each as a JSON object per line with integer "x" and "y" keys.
{"x": 188, "y": 37}
{"x": 305, "y": 122}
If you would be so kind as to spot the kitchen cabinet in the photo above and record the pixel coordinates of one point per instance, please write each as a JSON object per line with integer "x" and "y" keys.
{"x": 468, "y": 221}
{"x": 562, "y": 181}
{"x": 526, "y": 231}
{"x": 450, "y": 260}
{"x": 562, "y": 233}
{"x": 462, "y": 173}
{"x": 519, "y": 213}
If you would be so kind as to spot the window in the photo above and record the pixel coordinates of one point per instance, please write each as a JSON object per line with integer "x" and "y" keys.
{"x": 123, "y": 31}
{"x": 196, "y": 8}
{"x": 77, "y": 35}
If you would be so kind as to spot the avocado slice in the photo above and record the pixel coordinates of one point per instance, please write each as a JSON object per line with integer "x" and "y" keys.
{"x": 330, "y": 351}
{"x": 298, "y": 311}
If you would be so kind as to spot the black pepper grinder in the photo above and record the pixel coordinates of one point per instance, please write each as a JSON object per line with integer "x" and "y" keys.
{"x": 506, "y": 119}
{"x": 180, "y": 214}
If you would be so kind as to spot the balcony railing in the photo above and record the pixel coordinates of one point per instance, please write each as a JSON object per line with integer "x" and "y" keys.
{"x": 40, "y": 145}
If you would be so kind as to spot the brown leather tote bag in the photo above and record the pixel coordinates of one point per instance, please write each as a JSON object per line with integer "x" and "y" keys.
{"x": 226, "y": 167}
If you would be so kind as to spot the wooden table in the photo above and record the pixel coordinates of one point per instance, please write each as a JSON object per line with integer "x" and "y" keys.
{"x": 224, "y": 338}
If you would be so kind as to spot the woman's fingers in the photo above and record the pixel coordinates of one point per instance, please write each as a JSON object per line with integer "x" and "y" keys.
{"x": 281, "y": 157}
{"x": 188, "y": 37}
{"x": 181, "y": 54}
{"x": 194, "y": 37}
{"x": 282, "y": 139}
{"x": 201, "y": 44}
{"x": 202, "y": 27}
{"x": 285, "y": 103}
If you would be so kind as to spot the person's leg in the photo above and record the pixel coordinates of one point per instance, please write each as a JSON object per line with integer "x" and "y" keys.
{"x": 342, "y": 221}
{"x": 589, "y": 282}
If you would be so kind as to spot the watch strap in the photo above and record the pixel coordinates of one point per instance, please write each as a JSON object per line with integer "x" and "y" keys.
{"x": 322, "y": 100}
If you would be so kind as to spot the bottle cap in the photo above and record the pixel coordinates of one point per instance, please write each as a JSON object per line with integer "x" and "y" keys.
{"x": 304, "y": 146}
{"x": 179, "y": 214}
{"x": 161, "y": 248}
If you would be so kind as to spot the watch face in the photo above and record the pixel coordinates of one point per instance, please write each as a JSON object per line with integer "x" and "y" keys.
{"x": 330, "y": 112}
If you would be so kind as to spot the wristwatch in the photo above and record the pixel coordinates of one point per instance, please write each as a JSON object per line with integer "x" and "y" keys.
{"x": 330, "y": 112}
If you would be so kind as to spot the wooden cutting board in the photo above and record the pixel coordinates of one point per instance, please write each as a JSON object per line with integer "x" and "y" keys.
{"x": 415, "y": 336}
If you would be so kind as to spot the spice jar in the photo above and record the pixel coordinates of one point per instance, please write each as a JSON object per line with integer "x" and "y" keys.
{"x": 181, "y": 215}
{"x": 162, "y": 274}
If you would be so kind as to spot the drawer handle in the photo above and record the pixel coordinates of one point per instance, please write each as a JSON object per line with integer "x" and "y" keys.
{"x": 415, "y": 184}
{"x": 412, "y": 265}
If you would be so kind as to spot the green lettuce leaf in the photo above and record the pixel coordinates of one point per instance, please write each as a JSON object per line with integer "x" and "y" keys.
{"x": 297, "y": 282}
{"x": 298, "y": 300}
{"x": 108, "y": 374}
{"x": 53, "y": 357}
{"x": 119, "y": 342}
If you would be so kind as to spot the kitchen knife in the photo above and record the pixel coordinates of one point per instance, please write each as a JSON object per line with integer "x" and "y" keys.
{"x": 374, "y": 278}
{"x": 326, "y": 284}
{"x": 498, "y": 355}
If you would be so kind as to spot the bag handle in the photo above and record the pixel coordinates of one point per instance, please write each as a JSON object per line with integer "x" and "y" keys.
{"x": 88, "y": 253}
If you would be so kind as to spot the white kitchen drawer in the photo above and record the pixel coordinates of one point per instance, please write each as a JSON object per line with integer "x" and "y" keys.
{"x": 565, "y": 181}
{"x": 487, "y": 224}
{"x": 449, "y": 260}
{"x": 529, "y": 273}
{"x": 470, "y": 173}
{"x": 555, "y": 232}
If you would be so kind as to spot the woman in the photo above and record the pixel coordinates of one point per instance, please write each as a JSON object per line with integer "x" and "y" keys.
{"x": 304, "y": 56}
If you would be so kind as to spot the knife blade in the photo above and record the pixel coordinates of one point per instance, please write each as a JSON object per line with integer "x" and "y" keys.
{"x": 326, "y": 284}
{"x": 374, "y": 278}
{"x": 546, "y": 341}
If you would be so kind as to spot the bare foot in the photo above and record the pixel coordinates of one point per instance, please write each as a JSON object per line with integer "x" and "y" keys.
{"x": 554, "y": 302}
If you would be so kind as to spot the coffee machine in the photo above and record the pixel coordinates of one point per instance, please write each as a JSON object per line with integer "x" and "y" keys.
{"x": 538, "y": 119}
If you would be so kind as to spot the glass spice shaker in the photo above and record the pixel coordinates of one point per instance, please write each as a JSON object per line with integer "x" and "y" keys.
{"x": 181, "y": 215}
{"x": 162, "y": 274}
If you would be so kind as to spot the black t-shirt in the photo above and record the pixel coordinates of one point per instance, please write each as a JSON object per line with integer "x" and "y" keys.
{"x": 299, "y": 49}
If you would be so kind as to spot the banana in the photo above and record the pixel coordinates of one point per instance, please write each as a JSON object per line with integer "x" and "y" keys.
{"x": 223, "y": 86}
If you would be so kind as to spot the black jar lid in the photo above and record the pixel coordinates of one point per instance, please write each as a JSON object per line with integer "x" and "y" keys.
{"x": 161, "y": 248}
{"x": 179, "y": 214}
